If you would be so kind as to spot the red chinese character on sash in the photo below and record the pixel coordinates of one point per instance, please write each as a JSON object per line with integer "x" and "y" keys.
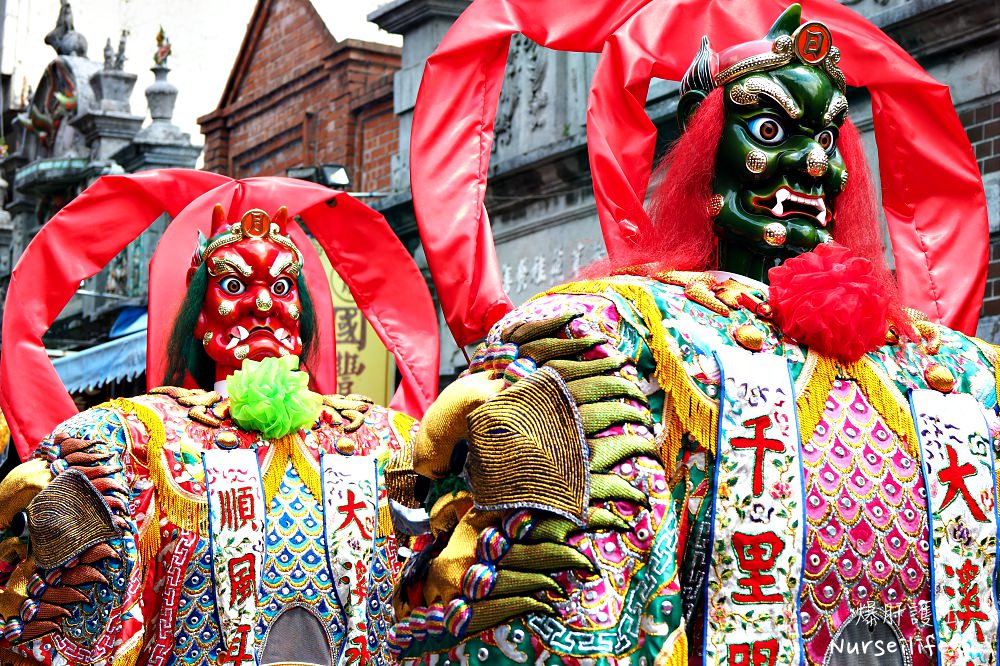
{"x": 760, "y": 444}
{"x": 360, "y": 591}
{"x": 758, "y": 653}
{"x": 359, "y": 654}
{"x": 954, "y": 476}
{"x": 350, "y": 510}
{"x": 756, "y": 555}
{"x": 236, "y": 506}
{"x": 243, "y": 579}
{"x": 237, "y": 652}
{"x": 968, "y": 599}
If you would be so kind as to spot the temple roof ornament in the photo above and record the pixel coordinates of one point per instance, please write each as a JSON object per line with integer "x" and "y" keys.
{"x": 63, "y": 38}
{"x": 163, "y": 48}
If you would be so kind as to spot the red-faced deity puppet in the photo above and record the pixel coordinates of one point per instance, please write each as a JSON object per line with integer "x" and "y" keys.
{"x": 252, "y": 303}
{"x": 245, "y": 520}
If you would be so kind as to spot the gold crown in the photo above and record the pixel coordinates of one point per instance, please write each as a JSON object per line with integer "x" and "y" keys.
{"x": 258, "y": 225}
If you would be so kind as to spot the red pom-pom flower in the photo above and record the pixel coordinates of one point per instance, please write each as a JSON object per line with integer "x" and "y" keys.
{"x": 831, "y": 301}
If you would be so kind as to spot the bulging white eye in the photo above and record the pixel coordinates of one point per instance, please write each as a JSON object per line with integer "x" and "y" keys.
{"x": 232, "y": 286}
{"x": 767, "y": 130}
{"x": 281, "y": 287}
{"x": 827, "y": 140}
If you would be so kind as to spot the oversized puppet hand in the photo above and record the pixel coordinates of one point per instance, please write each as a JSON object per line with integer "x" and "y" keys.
{"x": 524, "y": 489}
{"x": 64, "y": 560}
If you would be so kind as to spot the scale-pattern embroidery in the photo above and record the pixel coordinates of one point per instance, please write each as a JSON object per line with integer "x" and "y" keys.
{"x": 867, "y": 541}
{"x": 197, "y": 629}
{"x": 296, "y": 571}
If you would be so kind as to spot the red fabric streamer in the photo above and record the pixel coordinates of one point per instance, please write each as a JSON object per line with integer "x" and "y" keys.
{"x": 85, "y": 235}
{"x": 931, "y": 186}
{"x": 831, "y": 301}
{"x": 453, "y": 133}
{"x": 75, "y": 244}
{"x": 931, "y": 190}
{"x": 389, "y": 289}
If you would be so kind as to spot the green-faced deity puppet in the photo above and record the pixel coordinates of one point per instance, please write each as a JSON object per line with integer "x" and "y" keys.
{"x": 662, "y": 467}
{"x": 778, "y": 169}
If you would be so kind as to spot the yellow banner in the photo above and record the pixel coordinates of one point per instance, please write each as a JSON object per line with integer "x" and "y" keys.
{"x": 363, "y": 364}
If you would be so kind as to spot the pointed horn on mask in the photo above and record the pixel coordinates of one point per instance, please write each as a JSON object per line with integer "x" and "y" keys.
{"x": 281, "y": 219}
{"x": 218, "y": 219}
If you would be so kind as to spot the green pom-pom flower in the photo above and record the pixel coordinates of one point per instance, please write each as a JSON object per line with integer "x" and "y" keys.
{"x": 272, "y": 397}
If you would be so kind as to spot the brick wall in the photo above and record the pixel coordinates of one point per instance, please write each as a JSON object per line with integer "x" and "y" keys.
{"x": 991, "y": 299}
{"x": 297, "y": 97}
{"x": 377, "y": 138}
{"x": 982, "y": 124}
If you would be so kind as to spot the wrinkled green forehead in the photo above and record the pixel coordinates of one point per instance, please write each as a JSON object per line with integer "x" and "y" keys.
{"x": 800, "y": 93}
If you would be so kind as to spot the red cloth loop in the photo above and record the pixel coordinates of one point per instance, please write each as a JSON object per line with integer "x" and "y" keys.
{"x": 85, "y": 235}
{"x": 931, "y": 190}
{"x": 931, "y": 185}
{"x": 453, "y": 133}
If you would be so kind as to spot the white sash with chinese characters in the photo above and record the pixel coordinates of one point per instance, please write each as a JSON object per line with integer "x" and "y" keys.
{"x": 349, "y": 514}
{"x": 755, "y": 571}
{"x": 236, "y": 515}
{"x": 959, "y": 473}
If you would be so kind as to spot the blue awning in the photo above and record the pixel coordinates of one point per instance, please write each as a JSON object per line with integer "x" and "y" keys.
{"x": 121, "y": 359}
{"x": 131, "y": 319}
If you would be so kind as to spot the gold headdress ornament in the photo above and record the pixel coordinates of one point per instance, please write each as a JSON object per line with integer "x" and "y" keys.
{"x": 255, "y": 224}
{"x": 810, "y": 43}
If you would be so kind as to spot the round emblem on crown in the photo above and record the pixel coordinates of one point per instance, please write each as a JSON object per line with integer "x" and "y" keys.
{"x": 256, "y": 223}
{"x": 812, "y": 42}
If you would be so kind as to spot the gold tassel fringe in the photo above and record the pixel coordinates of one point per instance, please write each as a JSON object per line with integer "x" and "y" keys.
{"x": 277, "y": 462}
{"x": 283, "y": 448}
{"x": 148, "y": 542}
{"x": 820, "y": 373}
{"x": 307, "y": 468}
{"x": 671, "y": 439}
{"x": 883, "y": 395}
{"x": 675, "y": 650}
{"x": 128, "y": 655}
{"x": 698, "y": 412}
{"x": 184, "y": 509}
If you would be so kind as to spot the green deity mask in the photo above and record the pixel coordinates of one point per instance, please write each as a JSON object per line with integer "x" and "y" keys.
{"x": 778, "y": 170}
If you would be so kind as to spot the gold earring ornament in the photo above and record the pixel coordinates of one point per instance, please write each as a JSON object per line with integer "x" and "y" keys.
{"x": 714, "y": 205}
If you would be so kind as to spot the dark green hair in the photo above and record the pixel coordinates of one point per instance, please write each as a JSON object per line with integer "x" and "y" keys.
{"x": 186, "y": 353}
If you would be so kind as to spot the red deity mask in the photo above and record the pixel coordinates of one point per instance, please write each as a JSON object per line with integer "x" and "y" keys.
{"x": 251, "y": 307}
